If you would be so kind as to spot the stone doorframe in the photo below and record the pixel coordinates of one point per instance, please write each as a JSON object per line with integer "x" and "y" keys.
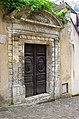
{"x": 16, "y": 40}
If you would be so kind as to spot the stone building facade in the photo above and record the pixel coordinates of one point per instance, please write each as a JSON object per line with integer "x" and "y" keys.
{"x": 43, "y": 29}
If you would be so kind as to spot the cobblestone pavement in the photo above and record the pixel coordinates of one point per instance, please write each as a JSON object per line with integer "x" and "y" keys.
{"x": 67, "y": 108}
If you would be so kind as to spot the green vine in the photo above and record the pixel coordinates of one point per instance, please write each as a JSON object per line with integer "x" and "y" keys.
{"x": 62, "y": 16}
{"x": 34, "y": 5}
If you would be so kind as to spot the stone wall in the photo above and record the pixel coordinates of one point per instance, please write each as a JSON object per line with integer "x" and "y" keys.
{"x": 57, "y": 69}
{"x": 18, "y": 35}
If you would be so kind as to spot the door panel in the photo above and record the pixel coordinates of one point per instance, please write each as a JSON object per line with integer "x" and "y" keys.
{"x": 28, "y": 70}
{"x": 41, "y": 68}
{"x": 35, "y": 69}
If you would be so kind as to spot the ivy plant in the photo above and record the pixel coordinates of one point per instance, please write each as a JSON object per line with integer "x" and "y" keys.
{"x": 34, "y": 6}
{"x": 62, "y": 15}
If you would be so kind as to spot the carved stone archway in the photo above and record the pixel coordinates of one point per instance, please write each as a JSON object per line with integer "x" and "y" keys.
{"x": 43, "y": 28}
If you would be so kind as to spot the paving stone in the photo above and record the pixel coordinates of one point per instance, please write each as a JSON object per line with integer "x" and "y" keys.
{"x": 67, "y": 108}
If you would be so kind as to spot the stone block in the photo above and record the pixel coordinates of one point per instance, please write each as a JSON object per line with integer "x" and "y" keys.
{"x": 21, "y": 69}
{"x": 10, "y": 42}
{"x": 9, "y": 35}
{"x": 42, "y": 38}
{"x": 10, "y": 54}
{"x": 10, "y": 65}
{"x": 20, "y": 75}
{"x": 38, "y": 38}
{"x": 10, "y": 47}
{"x": 15, "y": 72}
{"x": 22, "y": 90}
{"x": 10, "y": 77}
{"x": 14, "y": 91}
{"x": 20, "y": 59}
{"x": 29, "y": 37}
{"x": 15, "y": 58}
{"x": 18, "y": 90}
{"x": 15, "y": 44}
{"x": 20, "y": 53}
{"x": 20, "y": 48}
{"x": 18, "y": 93}
{"x": 10, "y": 71}
{"x": 10, "y": 59}
{"x": 33, "y": 37}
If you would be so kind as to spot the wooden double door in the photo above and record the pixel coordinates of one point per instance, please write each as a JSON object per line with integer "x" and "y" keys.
{"x": 35, "y": 69}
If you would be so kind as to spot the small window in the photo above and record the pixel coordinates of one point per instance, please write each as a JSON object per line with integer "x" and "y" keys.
{"x": 64, "y": 88}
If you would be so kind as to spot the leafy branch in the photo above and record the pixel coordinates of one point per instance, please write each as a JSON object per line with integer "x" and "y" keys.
{"x": 34, "y": 6}
{"x": 62, "y": 16}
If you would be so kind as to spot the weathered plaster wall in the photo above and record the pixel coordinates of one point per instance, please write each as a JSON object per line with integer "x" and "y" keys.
{"x": 70, "y": 59}
{"x": 4, "y": 92}
{"x": 75, "y": 61}
{"x": 66, "y": 60}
